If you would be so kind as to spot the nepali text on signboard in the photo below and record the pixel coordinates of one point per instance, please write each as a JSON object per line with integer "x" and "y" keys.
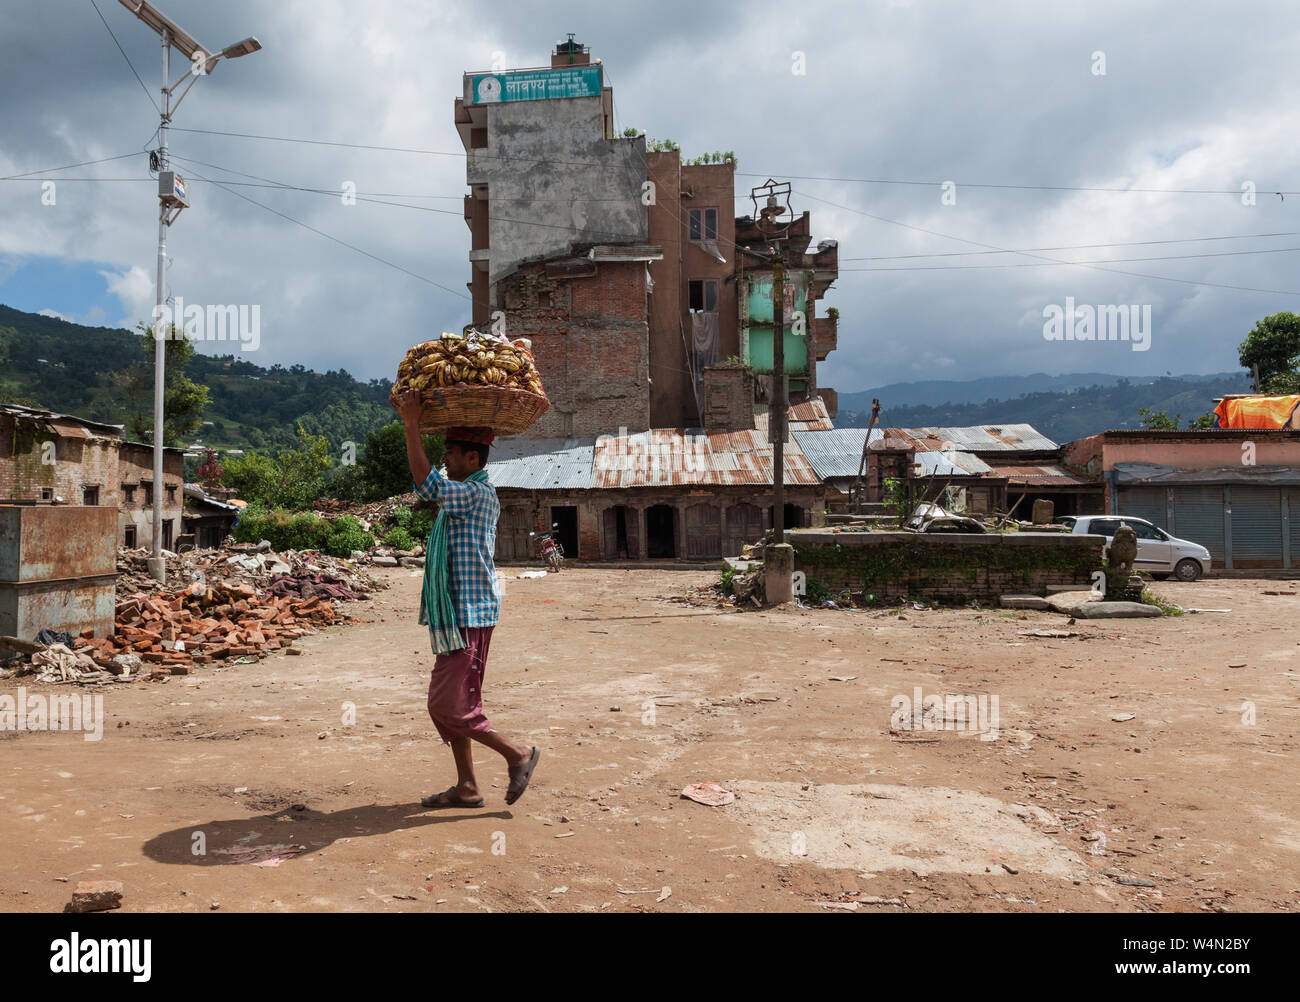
{"x": 536, "y": 85}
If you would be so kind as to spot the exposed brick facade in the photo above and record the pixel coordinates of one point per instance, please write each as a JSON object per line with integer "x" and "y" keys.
{"x": 81, "y": 457}
{"x": 590, "y": 341}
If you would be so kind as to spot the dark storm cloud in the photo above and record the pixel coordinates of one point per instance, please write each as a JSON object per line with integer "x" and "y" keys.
{"x": 1194, "y": 96}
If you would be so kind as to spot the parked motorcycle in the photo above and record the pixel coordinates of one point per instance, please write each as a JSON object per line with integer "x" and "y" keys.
{"x": 552, "y": 551}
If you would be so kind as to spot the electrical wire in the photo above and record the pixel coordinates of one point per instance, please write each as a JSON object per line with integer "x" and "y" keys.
{"x": 1092, "y": 267}
{"x": 1054, "y": 264}
{"x": 1023, "y": 187}
{"x": 1118, "y": 243}
{"x": 126, "y": 57}
{"x": 84, "y": 163}
{"x": 788, "y": 177}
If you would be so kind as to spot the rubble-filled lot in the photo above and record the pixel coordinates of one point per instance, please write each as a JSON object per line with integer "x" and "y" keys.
{"x": 1132, "y": 765}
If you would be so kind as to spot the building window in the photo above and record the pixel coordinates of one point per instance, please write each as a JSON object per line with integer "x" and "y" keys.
{"x": 704, "y": 224}
{"x": 148, "y": 493}
{"x": 167, "y": 535}
{"x": 704, "y": 295}
{"x": 47, "y": 493}
{"x": 171, "y": 492}
{"x": 128, "y": 537}
{"x": 90, "y": 495}
{"x": 128, "y": 493}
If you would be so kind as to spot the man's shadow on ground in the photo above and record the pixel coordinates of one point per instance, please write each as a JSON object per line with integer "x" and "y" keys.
{"x": 268, "y": 839}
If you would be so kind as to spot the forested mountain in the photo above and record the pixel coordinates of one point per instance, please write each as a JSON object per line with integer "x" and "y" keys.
{"x": 93, "y": 372}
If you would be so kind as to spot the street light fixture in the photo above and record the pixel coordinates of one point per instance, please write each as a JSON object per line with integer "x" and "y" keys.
{"x": 172, "y": 198}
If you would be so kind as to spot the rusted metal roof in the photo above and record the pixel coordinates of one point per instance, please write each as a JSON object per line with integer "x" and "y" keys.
{"x": 671, "y": 457}
{"x": 1042, "y": 476}
{"x": 810, "y": 416}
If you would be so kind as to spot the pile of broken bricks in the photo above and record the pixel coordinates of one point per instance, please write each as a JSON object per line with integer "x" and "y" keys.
{"x": 176, "y": 632}
{"x": 160, "y": 635}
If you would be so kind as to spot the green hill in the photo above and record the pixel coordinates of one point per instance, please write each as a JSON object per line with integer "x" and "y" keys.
{"x": 65, "y": 367}
{"x": 1065, "y": 416}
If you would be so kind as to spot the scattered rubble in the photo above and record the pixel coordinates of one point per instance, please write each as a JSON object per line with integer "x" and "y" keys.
{"x": 95, "y": 896}
{"x": 241, "y": 602}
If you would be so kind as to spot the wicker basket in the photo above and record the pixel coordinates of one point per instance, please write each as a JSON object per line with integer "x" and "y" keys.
{"x": 505, "y": 410}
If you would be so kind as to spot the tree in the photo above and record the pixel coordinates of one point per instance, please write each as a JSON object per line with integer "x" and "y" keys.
{"x": 293, "y": 479}
{"x": 1154, "y": 420}
{"x": 1274, "y": 346}
{"x": 384, "y": 467}
{"x": 184, "y": 400}
{"x": 211, "y": 470}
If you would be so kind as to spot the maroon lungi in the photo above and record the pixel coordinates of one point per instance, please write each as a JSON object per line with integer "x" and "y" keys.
{"x": 456, "y": 687}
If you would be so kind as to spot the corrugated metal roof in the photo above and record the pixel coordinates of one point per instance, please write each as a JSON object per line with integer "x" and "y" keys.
{"x": 810, "y": 415}
{"x": 541, "y": 463}
{"x": 834, "y": 453}
{"x": 1042, "y": 476}
{"x": 670, "y": 457}
{"x": 950, "y": 464}
{"x": 986, "y": 438}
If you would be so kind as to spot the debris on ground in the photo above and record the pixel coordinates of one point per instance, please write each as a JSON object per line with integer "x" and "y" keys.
{"x": 708, "y": 794}
{"x": 240, "y": 605}
{"x": 928, "y": 517}
{"x": 95, "y": 896}
{"x": 255, "y": 564}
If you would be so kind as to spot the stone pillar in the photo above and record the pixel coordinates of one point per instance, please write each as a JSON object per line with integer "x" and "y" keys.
{"x": 778, "y": 573}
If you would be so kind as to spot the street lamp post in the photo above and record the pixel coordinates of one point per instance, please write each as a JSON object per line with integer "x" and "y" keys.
{"x": 172, "y": 197}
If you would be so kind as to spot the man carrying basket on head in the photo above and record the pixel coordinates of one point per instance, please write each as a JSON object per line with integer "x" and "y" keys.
{"x": 459, "y": 602}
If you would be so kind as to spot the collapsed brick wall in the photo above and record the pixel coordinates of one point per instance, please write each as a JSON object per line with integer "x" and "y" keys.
{"x": 591, "y": 343}
{"x": 945, "y": 568}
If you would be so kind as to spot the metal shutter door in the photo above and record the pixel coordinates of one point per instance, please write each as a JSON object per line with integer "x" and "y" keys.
{"x": 1294, "y": 513}
{"x": 1256, "y": 527}
{"x": 1198, "y": 517}
{"x": 1143, "y": 502}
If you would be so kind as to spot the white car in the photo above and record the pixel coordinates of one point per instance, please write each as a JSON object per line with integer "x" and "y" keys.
{"x": 1159, "y": 554}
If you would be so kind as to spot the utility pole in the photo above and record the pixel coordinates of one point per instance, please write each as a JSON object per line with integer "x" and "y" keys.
{"x": 157, "y": 562}
{"x": 172, "y": 198}
{"x": 777, "y": 419}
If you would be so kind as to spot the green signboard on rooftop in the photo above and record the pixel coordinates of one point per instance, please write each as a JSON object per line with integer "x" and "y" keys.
{"x": 535, "y": 85}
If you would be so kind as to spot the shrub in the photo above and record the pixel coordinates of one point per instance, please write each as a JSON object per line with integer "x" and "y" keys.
{"x": 402, "y": 517}
{"x": 348, "y": 536}
{"x": 399, "y": 539}
{"x": 421, "y": 524}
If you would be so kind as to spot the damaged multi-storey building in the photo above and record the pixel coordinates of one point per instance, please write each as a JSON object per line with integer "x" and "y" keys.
{"x": 649, "y": 307}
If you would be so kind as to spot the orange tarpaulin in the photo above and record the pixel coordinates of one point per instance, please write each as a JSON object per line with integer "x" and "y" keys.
{"x": 1259, "y": 412}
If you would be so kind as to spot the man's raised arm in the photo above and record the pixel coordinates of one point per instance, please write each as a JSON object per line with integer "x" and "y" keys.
{"x": 409, "y": 407}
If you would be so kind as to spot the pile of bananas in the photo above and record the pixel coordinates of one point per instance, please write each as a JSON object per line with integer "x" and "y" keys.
{"x": 457, "y": 360}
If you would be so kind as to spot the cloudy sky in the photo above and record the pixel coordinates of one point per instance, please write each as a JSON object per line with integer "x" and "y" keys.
{"x": 1047, "y": 119}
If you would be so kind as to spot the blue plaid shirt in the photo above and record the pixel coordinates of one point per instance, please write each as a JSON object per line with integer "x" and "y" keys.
{"x": 472, "y": 511}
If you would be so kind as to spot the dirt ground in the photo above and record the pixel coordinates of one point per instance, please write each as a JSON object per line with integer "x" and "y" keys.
{"x": 1190, "y": 805}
